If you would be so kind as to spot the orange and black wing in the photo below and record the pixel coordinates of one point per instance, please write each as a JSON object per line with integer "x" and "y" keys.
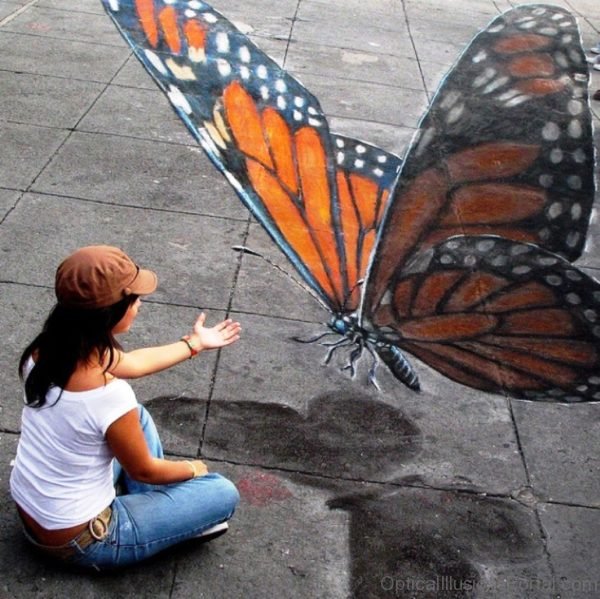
{"x": 500, "y": 316}
{"x": 471, "y": 268}
{"x": 319, "y": 196}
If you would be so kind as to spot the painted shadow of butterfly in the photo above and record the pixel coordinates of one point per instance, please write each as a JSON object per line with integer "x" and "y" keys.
{"x": 461, "y": 255}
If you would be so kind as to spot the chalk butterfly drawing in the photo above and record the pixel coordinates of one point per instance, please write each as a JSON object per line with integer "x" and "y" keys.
{"x": 461, "y": 255}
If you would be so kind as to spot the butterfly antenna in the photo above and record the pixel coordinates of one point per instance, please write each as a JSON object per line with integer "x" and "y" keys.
{"x": 349, "y": 294}
{"x": 244, "y": 250}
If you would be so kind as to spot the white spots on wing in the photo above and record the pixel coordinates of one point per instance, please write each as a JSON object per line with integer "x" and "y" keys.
{"x": 215, "y": 135}
{"x": 455, "y": 113}
{"x": 244, "y": 54}
{"x": 339, "y": 142}
{"x": 378, "y": 172}
{"x": 547, "y": 260}
{"x": 340, "y": 157}
{"x": 517, "y": 100}
{"x": 523, "y": 269}
{"x": 528, "y": 25}
{"x": 555, "y": 210}
{"x": 576, "y": 211}
{"x": 494, "y": 85}
{"x": 358, "y": 163}
{"x": 551, "y": 131}
{"x": 222, "y": 41}
{"x": 178, "y": 99}
{"x": 156, "y": 62}
{"x": 195, "y": 5}
{"x": 590, "y": 315}
{"x": 573, "y": 238}
{"x": 575, "y": 56}
{"x": 561, "y": 59}
{"x": 480, "y": 56}
{"x": 189, "y": 13}
{"x": 447, "y": 259}
{"x": 312, "y": 110}
{"x": 497, "y": 28}
{"x": 550, "y": 31}
{"x": 299, "y": 102}
{"x": 486, "y": 245}
{"x": 574, "y": 129}
{"x": 360, "y": 149}
{"x": 470, "y": 260}
{"x": 546, "y": 180}
{"x": 386, "y": 300}
{"x": 580, "y": 78}
{"x": 485, "y": 77}
{"x": 223, "y": 67}
{"x": 519, "y": 250}
{"x": 544, "y": 234}
{"x": 209, "y": 17}
{"x": 554, "y": 280}
{"x": 450, "y": 99}
{"x": 114, "y": 5}
{"x": 382, "y": 159}
{"x": 507, "y": 95}
{"x": 298, "y": 116}
{"x": 426, "y": 138}
{"x": 501, "y": 260}
{"x": 281, "y": 103}
{"x": 315, "y": 122}
{"x": 575, "y": 107}
{"x": 574, "y": 182}
{"x": 573, "y": 275}
{"x": 539, "y": 11}
{"x": 264, "y": 92}
{"x": 579, "y": 156}
{"x": 196, "y": 54}
{"x": 556, "y": 156}
{"x": 280, "y": 86}
{"x": 261, "y": 71}
{"x": 181, "y": 72}
{"x": 244, "y": 72}
{"x": 566, "y": 39}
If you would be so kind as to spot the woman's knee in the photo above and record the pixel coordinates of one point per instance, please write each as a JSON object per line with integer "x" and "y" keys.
{"x": 223, "y": 489}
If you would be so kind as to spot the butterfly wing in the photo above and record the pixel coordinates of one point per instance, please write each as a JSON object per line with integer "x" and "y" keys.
{"x": 499, "y": 315}
{"x": 505, "y": 150}
{"x": 319, "y": 196}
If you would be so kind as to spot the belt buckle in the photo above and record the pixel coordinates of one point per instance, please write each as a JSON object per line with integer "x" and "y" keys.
{"x": 98, "y": 528}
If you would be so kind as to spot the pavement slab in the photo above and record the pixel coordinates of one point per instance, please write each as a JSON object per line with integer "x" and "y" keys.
{"x": 347, "y": 492}
{"x": 45, "y": 101}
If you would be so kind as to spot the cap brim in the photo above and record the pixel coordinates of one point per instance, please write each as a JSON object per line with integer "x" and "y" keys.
{"x": 146, "y": 282}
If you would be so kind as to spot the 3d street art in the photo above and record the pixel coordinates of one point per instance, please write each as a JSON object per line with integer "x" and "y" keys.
{"x": 460, "y": 255}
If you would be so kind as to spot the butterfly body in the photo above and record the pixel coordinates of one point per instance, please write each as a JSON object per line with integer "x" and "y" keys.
{"x": 459, "y": 255}
{"x": 371, "y": 340}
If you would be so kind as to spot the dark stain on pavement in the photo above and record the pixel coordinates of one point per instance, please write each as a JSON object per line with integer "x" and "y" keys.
{"x": 342, "y": 435}
{"x": 427, "y": 544}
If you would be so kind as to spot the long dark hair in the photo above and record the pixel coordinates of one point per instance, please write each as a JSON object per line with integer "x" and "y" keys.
{"x": 70, "y": 336}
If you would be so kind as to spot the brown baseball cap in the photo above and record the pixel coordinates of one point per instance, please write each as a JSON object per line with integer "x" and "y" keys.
{"x": 98, "y": 276}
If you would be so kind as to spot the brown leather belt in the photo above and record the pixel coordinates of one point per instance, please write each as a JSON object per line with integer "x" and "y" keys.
{"x": 96, "y": 530}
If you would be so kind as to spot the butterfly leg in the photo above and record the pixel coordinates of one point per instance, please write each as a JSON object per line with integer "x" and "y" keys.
{"x": 373, "y": 368}
{"x": 333, "y": 347}
{"x": 354, "y": 357}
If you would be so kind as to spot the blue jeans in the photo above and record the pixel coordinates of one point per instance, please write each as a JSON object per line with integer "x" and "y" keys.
{"x": 149, "y": 518}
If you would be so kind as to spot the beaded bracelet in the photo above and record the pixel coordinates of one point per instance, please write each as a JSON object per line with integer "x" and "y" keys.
{"x": 193, "y": 349}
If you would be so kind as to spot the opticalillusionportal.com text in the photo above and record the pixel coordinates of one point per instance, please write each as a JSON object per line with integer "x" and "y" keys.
{"x": 394, "y": 585}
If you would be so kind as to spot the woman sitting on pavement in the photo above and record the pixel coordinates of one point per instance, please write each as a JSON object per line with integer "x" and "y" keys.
{"x": 81, "y": 413}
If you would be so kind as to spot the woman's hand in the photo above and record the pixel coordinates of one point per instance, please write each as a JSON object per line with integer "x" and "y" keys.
{"x": 222, "y": 334}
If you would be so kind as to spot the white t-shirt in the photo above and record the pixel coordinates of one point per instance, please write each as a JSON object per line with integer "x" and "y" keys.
{"x": 62, "y": 475}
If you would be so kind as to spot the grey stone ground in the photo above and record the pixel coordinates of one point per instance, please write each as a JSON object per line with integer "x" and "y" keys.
{"x": 345, "y": 492}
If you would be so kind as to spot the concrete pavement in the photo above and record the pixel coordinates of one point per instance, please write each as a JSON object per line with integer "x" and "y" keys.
{"x": 346, "y": 492}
